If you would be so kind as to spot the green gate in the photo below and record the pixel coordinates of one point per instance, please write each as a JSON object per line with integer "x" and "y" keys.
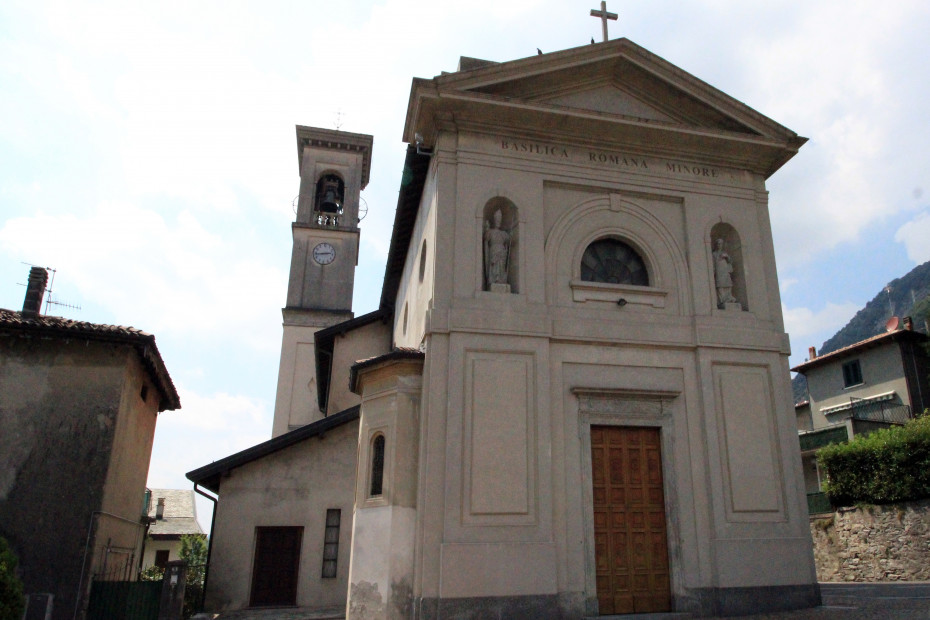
{"x": 124, "y": 600}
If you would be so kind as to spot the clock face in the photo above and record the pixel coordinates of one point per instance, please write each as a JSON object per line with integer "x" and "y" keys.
{"x": 324, "y": 253}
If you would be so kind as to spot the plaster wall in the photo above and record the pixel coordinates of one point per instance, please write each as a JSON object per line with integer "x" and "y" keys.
{"x": 151, "y": 546}
{"x": 504, "y": 493}
{"x": 882, "y": 372}
{"x": 292, "y": 487}
{"x": 381, "y": 572}
{"x": 62, "y": 410}
{"x": 417, "y": 284}
{"x": 358, "y": 344}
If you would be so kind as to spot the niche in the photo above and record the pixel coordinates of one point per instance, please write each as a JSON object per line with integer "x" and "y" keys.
{"x": 729, "y": 274}
{"x": 499, "y": 247}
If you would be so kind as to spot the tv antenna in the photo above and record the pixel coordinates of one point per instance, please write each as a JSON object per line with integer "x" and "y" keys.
{"x": 49, "y": 300}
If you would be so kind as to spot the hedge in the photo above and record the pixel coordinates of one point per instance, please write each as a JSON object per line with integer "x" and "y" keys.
{"x": 889, "y": 465}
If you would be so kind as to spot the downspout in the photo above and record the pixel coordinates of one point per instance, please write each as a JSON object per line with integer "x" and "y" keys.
{"x": 206, "y": 573}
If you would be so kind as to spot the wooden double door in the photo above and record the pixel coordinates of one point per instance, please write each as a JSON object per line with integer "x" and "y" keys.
{"x": 630, "y": 540}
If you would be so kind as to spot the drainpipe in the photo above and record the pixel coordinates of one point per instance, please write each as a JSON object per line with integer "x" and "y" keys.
{"x": 206, "y": 573}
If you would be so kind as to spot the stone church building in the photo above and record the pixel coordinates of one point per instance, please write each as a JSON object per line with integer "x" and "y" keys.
{"x": 573, "y": 400}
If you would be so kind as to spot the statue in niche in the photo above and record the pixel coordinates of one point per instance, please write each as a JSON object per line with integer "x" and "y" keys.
{"x": 497, "y": 244}
{"x": 723, "y": 275}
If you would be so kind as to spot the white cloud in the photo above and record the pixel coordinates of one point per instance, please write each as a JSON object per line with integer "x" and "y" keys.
{"x": 915, "y": 235}
{"x": 157, "y": 273}
{"x": 813, "y": 327}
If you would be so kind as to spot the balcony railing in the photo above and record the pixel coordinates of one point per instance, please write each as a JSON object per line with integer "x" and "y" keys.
{"x": 891, "y": 413}
{"x": 818, "y": 503}
{"x": 813, "y": 440}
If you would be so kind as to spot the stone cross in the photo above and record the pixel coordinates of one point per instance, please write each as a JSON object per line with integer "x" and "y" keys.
{"x": 604, "y": 15}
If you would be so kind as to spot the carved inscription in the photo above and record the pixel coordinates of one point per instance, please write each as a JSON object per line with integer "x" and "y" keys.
{"x": 614, "y": 160}
{"x": 534, "y": 147}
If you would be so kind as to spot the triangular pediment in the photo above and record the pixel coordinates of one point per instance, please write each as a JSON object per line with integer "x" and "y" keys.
{"x": 615, "y": 92}
{"x": 616, "y": 85}
{"x": 609, "y": 99}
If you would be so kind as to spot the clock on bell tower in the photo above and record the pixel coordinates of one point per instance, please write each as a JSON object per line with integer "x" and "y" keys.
{"x": 334, "y": 168}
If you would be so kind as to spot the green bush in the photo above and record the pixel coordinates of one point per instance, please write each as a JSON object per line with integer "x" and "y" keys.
{"x": 890, "y": 465}
{"x": 12, "y": 601}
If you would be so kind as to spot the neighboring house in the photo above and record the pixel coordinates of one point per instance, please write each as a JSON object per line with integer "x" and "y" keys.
{"x": 875, "y": 383}
{"x": 571, "y": 401}
{"x": 172, "y": 514}
{"x": 78, "y": 405}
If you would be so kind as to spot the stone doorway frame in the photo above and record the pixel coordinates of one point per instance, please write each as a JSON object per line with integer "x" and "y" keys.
{"x": 632, "y": 408}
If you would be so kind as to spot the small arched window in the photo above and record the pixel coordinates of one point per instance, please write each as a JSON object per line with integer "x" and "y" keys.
{"x": 614, "y": 262}
{"x": 330, "y": 192}
{"x": 422, "y": 260}
{"x": 377, "y": 466}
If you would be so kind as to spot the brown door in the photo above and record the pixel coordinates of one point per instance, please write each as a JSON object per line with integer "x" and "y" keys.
{"x": 630, "y": 544}
{"x": 274, "y": 573}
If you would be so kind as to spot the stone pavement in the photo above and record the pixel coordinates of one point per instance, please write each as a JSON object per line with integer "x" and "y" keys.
{"x": 841, "y": 601}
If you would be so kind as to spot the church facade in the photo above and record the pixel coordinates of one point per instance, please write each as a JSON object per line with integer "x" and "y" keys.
{"x": 574, "y": 398}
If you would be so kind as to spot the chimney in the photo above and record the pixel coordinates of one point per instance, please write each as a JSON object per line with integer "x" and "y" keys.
{"x": 35, "y": 291}
{"x": 811, "y": 352}
{"x": 160, "y": 509}
{"x": 908, "y": 323}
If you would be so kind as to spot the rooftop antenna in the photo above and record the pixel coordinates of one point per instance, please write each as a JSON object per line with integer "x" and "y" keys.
{"x": 49, "y": 301}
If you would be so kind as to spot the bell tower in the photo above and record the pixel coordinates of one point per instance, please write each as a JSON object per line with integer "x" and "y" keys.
{"x": 334, "y": 168}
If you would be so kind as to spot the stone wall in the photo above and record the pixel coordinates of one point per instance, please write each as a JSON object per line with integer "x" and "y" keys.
{"x": 874, "y": 543}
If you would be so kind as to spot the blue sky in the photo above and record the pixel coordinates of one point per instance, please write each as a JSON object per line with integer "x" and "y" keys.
{"x": 147, "y": 152}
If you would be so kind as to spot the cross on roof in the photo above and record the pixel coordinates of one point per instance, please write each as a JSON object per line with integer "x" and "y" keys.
{"x": 604, "y": 15}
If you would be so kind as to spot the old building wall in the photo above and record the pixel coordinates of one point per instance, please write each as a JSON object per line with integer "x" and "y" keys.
{"x": 874, "y": 543}
{"x": 292, "y": 487}
{"x": 59, "y": 410}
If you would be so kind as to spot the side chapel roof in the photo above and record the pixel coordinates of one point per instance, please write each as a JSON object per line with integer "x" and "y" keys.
{"x": 209, "y": 476}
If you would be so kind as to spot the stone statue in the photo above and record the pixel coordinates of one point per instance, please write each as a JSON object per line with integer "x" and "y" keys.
{"x": 496, "y": 252}
{"x": 723, "y": 275}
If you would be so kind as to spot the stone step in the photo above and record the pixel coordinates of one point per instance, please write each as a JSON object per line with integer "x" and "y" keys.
{"x": 279, "y": 613}
{"x": 669, "y": 615}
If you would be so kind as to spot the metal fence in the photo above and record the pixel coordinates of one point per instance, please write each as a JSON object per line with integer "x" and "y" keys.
{"x": 891, "y": 413}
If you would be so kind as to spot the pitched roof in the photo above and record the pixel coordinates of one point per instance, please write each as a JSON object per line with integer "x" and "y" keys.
{"x": 324, "y": 341}
{"x": 398, "y": 353}
{"x": 14, "y": 323}
{"x": 663, "y": 103}
{"x": 180, "y": 515}
{"x": 209, "y": 476}
{"x": 881, "y": 339}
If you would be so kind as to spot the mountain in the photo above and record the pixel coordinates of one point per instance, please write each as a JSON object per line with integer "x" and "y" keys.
{"x": 908, "y": 295}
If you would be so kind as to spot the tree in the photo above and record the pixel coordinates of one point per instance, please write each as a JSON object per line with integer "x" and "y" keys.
{"x": 194, "y": 552}
{"x": 12, "y": 602}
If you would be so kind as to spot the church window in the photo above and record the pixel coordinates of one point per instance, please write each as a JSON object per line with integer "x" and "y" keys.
{"x": 405, "y": 319}
{"x": 331, "y": 542}
{"x": 377, "y": 466}
{"x": 144, "y": 392}
{"x": 852, "y": 373}
{"x": 614, "y": 262}
{"x": 422, "y": 260}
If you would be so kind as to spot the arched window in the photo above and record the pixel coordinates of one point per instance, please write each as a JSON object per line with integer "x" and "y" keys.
{"x": 328, "y": 203}
{"x": 614, "y": 262}
{"x": 377, "y": 466}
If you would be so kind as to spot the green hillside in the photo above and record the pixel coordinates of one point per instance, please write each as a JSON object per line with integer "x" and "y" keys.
{"x": 908, "y": 295}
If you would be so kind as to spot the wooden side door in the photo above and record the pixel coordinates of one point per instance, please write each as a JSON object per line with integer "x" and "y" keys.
{"x": 276, "y": 565}
{"x": 630, "y": 541}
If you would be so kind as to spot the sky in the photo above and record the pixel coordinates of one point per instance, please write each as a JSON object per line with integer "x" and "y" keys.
{"x": 148, "y": 155}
